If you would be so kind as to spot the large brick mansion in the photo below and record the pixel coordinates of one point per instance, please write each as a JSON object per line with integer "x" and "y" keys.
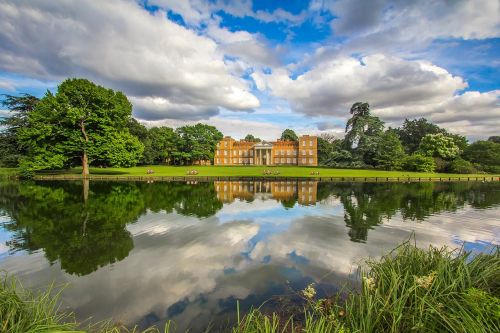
{"x": 303, "y": 152}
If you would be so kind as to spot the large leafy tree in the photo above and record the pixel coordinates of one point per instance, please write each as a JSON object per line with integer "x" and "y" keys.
{"x": 160, "y": 145}
{"x": 11, "y": 149}
{"x": 390, "y": 153}
{"x": 485, "y": 154}
{"x": 289, "y": 135}
{"x": 439, "y": 145}
{"x": 363, "y": 132}
{"x": 80, "y": 124}
{"x": 196, "y": 143}
{"x": 251, "y": 138}
{"x": 413, "y": 131}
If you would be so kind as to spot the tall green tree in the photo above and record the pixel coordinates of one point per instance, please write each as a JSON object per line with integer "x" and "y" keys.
{"x": 251, "y": 138}
{"x": 439, "y": 145}
{"x": 161, "y": 145}
{"x": 363, "y": 132}
{"x": 196, "y": 143}
{"x": 390, "y": 153}
{"x": 289, "y": 135}
{"x": 413, "y": 131}
{"x": 11, "y": 149}
{"x": 485, "y": 154}
{"x": 80, "y": 124}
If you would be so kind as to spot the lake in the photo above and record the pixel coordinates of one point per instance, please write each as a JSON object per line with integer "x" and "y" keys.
{"x": 145, "y": 252}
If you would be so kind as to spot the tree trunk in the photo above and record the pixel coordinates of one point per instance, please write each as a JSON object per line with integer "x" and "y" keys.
{"x": 85, "y": 158}
{"x": 85, "y": 165}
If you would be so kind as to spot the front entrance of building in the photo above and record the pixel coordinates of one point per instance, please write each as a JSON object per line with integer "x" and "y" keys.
{"x": 263, "y": 154}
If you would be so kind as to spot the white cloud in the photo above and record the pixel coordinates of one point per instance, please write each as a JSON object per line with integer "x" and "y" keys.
{"x": 394, "y": 87}
{"x": 380, "y": 24}
{"x": 119, "y": 44}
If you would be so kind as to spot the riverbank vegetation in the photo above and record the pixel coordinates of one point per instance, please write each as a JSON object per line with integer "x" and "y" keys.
{"x": 83, "y": 124}
{"x": 407, "y": 290}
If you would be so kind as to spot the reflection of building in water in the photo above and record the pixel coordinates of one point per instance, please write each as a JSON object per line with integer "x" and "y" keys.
{"x": 284, "y": 191}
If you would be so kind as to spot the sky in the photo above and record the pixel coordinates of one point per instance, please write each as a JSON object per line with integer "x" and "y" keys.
{"x": 260, "y": 66}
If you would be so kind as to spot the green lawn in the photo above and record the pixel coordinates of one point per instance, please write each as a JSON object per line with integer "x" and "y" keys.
{"x": 250, "y": 171}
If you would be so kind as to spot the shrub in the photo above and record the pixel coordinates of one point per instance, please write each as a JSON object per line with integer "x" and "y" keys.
{"x": 460, "y": 165}
{"x": 420, "y": 163}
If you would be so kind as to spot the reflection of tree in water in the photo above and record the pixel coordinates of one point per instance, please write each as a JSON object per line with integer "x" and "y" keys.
{"x": 368, "y": 204}
{"x": 84, "y": 228}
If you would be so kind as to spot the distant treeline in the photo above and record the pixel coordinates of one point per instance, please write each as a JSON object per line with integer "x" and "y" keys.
{"x": 84, "y": 124}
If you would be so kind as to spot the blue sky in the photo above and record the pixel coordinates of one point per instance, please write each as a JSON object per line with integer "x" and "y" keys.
{"x": 255, "y": 66}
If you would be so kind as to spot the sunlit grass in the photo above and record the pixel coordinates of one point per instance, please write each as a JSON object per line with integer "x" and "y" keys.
{"x": 251, "y": 171}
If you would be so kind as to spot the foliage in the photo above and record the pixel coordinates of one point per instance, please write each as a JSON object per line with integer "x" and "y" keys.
{"x": 289, "y": 135}
{"x": 24, "y": 311}
{"x": 11, "y": 149}
{"x": 434, "y": 290}
{"x": 390, "y": 153}
{"x": 251, "y": 138}
{"x": 495, "y": 139}
{"x": 196, "y": 143}
{"x": 459, "y": 165}
{"x": 363, "y": 132}
{"x": 419, "y": 163}
{"x": 485, "y": 154}
{"x": 80, "y": 124}
{"x": 160, "y": 145}
{"x": 413, "y": 131}
{"x": 439, "y": 145}
{"x": 408, "y": 290}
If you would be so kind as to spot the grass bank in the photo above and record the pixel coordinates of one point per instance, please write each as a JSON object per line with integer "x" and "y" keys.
{"x": 408, "y": 290}
{"x": 248, "y": 171}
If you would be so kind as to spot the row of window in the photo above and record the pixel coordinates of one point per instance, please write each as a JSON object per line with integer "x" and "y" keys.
{"x": 250, "y": 153}
{"x": 311, "y": 143}
{"x": 276, "y": 160}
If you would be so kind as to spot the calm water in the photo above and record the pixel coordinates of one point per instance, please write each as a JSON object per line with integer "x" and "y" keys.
{"x": 146, "y": 252}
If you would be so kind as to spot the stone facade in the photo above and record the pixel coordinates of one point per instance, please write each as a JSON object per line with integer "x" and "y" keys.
{"x": 303, "y": 152}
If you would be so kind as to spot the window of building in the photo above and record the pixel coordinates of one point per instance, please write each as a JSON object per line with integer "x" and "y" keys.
{"x": 251, "y": 152}
{"x": 282, "y": 160}
{"x": 311, "y": 143}
{"x": 303, "y": 143}
{"x": 288, "y": 160}
{"x": 225, "y": 161}
{"x": 310, "y": 152}
{"x": 304, "y": 160}
{"x": 303, "y": 152}
{"x": 225, "y": 143}
{"x": 282, "y": 152}
{"x": 294, "y": 160}
{"x": 311, "y": 161}
{"x": 225, "y": 152}
{"x": 234, "y": 160}
{"x": 276, "y": 160}
{"x": 239, "y": 161}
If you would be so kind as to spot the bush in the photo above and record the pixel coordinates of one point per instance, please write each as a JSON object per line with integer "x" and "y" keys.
{"x": 460, "y": 165}
{"x": 419, "y": 163}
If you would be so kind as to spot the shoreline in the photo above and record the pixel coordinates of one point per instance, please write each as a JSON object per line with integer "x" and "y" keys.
{"x": 265, "y": 178}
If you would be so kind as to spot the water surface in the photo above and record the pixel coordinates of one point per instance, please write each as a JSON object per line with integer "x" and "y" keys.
{"x": 143, "y": 253}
